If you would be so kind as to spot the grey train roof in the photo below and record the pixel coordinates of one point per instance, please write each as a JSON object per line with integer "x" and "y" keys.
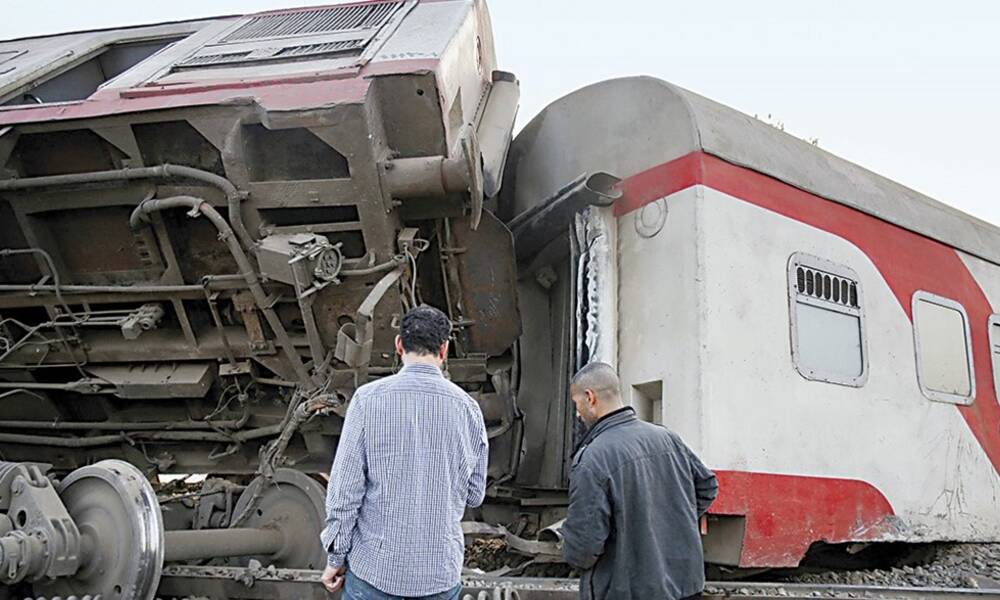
{"x": 624, "y": 126}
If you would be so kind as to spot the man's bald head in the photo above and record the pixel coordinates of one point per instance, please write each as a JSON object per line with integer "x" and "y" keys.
{"x": 596, "y": 391}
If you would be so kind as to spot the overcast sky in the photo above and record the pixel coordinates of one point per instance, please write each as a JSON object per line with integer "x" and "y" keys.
{"x": 907, "y": 88}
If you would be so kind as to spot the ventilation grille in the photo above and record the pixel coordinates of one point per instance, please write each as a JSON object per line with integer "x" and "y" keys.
{"x": 311, "y": 22}
{"x": 263, "y": 54}
{"x": 214, "y": 59}
{"x": 824, "y": 286}
{"x": 328, "y": 48}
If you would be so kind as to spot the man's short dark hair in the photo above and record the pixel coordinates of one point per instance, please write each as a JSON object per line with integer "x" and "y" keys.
{"x": 424, "y": 330}
{"x": 599, "y": 377}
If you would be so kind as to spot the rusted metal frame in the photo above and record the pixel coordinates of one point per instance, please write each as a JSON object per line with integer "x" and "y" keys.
{"x": 234, "y": 197}
{"x": 364, "y": 326}
{"x": 200, "y": 206}
{"x": 210, "y": 299}
{"x": 452, "y": 282}
{"x": 306, "y": 298}
{"x": 185, "y": 322}
{"x": 186, "y": 291}
{"x": 305, "y": 194}
{"x": 247, "y": 307}
{"x": 173, "y": 275}
{"x": 312, "y": 331}
{"x": 36, "y": 247}
{"x": 50, "y": 264}
{"x": 114, "y": 348}
{"x": 313, "y": 228}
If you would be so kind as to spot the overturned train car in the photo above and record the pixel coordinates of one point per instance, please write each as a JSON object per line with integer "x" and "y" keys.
{"x": 208, "y": 232}
{"x": 209, "y": 229}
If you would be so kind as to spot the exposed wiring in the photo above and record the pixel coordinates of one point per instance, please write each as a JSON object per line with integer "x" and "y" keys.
{"x": 411, "y": 252}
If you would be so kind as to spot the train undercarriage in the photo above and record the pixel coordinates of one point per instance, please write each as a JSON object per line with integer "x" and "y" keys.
{"x": 196, "y": 274}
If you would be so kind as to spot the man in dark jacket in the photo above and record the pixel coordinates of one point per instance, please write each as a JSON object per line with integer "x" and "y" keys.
{"x": 636, "y": 494}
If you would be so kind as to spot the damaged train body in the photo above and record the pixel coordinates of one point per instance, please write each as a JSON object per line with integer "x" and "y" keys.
{"x": 210, "y": 229}
{"x": 208, "y": 232}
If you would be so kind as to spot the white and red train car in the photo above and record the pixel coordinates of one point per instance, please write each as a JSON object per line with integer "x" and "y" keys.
{"x": 825, "y": 338}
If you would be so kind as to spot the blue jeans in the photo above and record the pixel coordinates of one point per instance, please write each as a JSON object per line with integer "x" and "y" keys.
{"x": 359, "y": 589}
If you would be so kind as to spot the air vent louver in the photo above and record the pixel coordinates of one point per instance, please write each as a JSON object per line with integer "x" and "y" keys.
{"x": 824, "y": 286}
{"x": 214, "y": 59}
{"x": 311, "y": 22}
{"x": 328, "y": 48}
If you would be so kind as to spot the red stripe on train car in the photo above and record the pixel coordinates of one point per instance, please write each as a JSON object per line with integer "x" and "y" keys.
{"x": 786, "y": 513}
{"x": 906, "y": 260}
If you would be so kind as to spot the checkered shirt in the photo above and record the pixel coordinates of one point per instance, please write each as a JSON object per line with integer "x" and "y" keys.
{"x": 411, "y": 457}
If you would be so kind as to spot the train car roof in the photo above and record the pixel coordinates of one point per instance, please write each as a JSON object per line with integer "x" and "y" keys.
{"x": 329, "y": 51}
{"x": 625, "y": 126}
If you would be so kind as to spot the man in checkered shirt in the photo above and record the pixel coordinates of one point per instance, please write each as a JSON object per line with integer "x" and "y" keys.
{"x": 412, "y": 456}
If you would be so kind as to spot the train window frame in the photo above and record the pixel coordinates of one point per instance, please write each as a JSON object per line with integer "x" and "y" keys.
{"x": 928, "y": 392}
{"x": 797, "y": 296}
{"x": 63, "y": 68}
{"x": 993, "y": 322}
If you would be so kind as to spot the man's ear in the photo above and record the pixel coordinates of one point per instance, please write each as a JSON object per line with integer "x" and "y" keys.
{"x": 399, "y": 346}
{"x": 443, "y": 351}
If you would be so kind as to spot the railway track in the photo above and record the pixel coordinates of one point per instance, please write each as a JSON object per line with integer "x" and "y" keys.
{"x": 265, "y": 583}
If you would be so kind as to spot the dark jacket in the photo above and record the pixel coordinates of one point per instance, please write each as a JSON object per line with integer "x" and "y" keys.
{"x": 636, "y": 493}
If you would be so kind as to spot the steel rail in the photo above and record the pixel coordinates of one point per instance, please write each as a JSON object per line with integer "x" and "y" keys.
{"x": 301, "y": 583}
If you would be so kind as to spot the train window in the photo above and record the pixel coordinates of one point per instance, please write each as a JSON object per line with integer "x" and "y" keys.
{"x": 79, "y": 81}
{"x": 827, "y": 321}
{"x": 944, "y": 349}
{"x": 994, "y": 327}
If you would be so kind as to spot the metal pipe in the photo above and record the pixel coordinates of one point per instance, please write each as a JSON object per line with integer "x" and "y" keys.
{"x": 234, "y": 197}
{"x": 56, "y": 280}
{"x": 122, "y": 289}
{"x": 388, "y": 265}
{"x": 425, "y": 176}
{"x": 210, "y": 543}
{"x": 198, "y": 205}
{"x": 538, "y": 225}
{"x": 150, "y": 436}
{"x": 122, "y": 425}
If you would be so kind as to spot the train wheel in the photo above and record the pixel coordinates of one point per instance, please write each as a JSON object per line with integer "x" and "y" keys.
{"x": 117, "y": 513}
{"x": 293, "y": 503}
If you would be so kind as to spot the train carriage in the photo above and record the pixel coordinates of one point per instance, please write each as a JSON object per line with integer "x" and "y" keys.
{"x": 822, "y": 336}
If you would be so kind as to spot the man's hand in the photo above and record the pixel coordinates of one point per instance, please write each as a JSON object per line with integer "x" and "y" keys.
{"x": 333, "y": 578}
